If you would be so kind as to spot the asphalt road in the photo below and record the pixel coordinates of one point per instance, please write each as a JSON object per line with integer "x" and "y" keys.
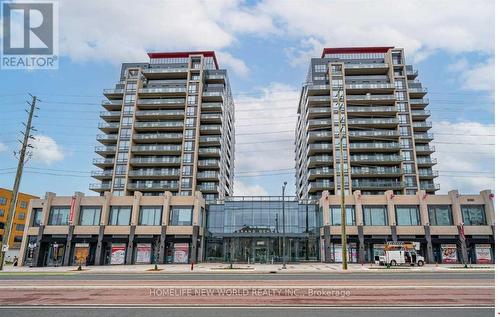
{"x": 400, "y": 275}
{"x": 246, "y": 312}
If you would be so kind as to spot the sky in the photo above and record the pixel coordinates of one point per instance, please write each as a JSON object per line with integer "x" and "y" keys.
{"x": 266, "y": 47}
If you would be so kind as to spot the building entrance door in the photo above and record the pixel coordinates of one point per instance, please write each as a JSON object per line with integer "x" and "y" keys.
{"x": 261, "y": 251}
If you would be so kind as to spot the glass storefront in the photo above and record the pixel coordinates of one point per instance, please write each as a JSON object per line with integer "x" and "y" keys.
{"x": 250, "y": 230}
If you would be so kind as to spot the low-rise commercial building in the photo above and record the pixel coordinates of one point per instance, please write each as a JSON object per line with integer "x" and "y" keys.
{"x": 180, "y": 229}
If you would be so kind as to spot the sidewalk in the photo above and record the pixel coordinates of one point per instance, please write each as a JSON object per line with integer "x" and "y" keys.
{"x": 250, "y": 268}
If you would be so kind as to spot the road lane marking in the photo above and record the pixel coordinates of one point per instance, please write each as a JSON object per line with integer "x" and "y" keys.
{"x": 160, "y": 306}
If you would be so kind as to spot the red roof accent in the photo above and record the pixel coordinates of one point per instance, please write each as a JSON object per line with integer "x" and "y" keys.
{"x": 185, "y": 54}
{"x": 354, "y": 50}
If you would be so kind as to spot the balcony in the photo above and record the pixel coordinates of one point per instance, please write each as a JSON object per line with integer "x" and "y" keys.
{"x": 105, "y": 150}
{"x": 213, "y": 95}
{"x": 211, "y": 129}
{"x": 353, "y": 135}
{"x": 107, "y": 138}
{"x": 154, "y": 173}
{"x": 165, "y": 72}
{"x": 163, "y": 91}
{"x": 108, "y": 174}
{"x": 419, "y": 103}
{"x": 113, "y": 93}
{"x": 157, "y": 137}
{"x": 321, "y": 185}
{"x": 366, "y": 69}
{"x": 159, "y": 114}
{"x": 377, "y": 184}
{"x": 211, "y": 107}
{"x": 99, "y": 187}
{"x": 111, "y": 127}
{"x": 110, "y": 115}
{"x": 370, "y": 99}
{"x": 421, "y": 126}
{"x": 319, "y": 123}
{"x": 427, "y": 174}
{"x": 217, "y": 78}
{"x": 153, "y": 186}
{"x": 172, "y": 102}
{"x": 210, "y": 140}
{"x": 374, "y": 146}
{"x": 318, "y": 90}
{"x": 374, "y": 122}
{"x": 208, "y": 164}
{"x": 312, "y": 100}
{"x": 423, "y": 137}
{"x": 365, "y": 88}
{"x": 208, "y": 176}
{"x": 159, "y": 125}
{"x": 420, "y": 114}
{"x": 417, "y": 92}
{"x": 429, "y": 187}
{"x": 380, "y": 110}
{"x": 159, "y": 161}
{"x": 411, "y": 73}
{"x": 209, "y": 152}
{"x": 377, "y": 171}
{"x": 426, "y": 161}
{"x": 319, "y": 148}
{"x": 424, "y": 149}
{"x": 156, "y": 149}
{"x": 207, "y": 187}
{"x": 211, "y": 117}
{"x": 390, "y": 159}
{"x": 320, "y": 172}
{"x": 320, "y": 160}
{"x": 314, "y": 136}
{"x": 318, "y": 112}
{"x": 103, "y": 162}
{"x": 111, "y": 105}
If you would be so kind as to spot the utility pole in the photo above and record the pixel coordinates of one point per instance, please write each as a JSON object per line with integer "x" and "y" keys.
{"x": 283, "y": 233}
{"x": 15, "y": 191}
{"x": 341, "y": 105}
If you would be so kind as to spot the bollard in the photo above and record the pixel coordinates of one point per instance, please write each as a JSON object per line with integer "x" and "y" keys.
{"x": 192, "y": 265}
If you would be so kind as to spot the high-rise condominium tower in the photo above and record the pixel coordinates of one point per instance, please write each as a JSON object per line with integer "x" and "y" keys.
{"x": 370, "y": 98}
{"x": 168, "y": 126}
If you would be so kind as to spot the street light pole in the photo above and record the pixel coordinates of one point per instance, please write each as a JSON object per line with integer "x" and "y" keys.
{"x": 283, "y": 232}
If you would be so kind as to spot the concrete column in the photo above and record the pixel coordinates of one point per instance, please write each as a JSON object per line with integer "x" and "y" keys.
{"x": 358, "y": 208}
{"x": 424, "y": 212}
{"x": 463, "y": 247}
{"x": 105, "y": 209}
{"x": 391, "y": 214}
{"x": 325, "y": 206}
{"x": 67, "y": 250}
{"x": 328, "y": 240}
{"x": 134, "y": 220}
{"x": 98, "y": 250}
{"x": 130, "y": 245}
{"x": 428, "y": 239}
{"x": 163, "y": 236}
{"x": 361, "y": 250}
{"x": 167, "y": 197}
{"x": 455, "y": 206}
{"x": 489, "y": 209}
{"x": 49, "y": 196}
{"x": 194, "y": 243}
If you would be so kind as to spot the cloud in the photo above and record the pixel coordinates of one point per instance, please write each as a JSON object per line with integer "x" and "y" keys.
{"x": 242, "y": 189}
{"x": 421, "y": 27}
{"x": 3, "y": 147}
{"x": 46, "y": 150}
{"x": 477, "y": 77}
{"x": 238, "y": 66}
{"x": 464, "y": 161}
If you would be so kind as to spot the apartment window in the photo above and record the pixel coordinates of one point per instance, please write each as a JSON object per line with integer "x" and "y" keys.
{"x": 407, "y": 215}
{"x": 407, "y": 155}
{"x": 131, "y": 86}
{"x": 440, "y": 215}
{"x": 411, "y": 181}
{"x": 130, "y": 98}
{"x": 193, "y": 88}
{"x": 120, "y": 169}
{"x": 21, "y": 216}
{"x": 118, "y": 193}
{"x": 191, "y": 111}
{"x": 400, "y": 95}
{"x": 90, "y": 216}
{"x": 128, "y": 109}
{"x": 3, "y": 201}
{"x": 320, "y": 68}
{"x": 150, "y": 215}
{"x": 122, "y": 157}
{"x": 473, "y": 215}
{"x": 399, "y": 84}
{"x": 402, "y": 107}
{"x": 187, "y": 170}
{"x": 188, "y": 158}
{"x": 404, "y": 118}
{"x": 189, "y": 134}
{"x": 195, "y": 76}
{"x": 189, "y": 122}
{"x": 23, "y": 204}
{"x": 181, "y": 216}
{"x": 350, "y": 215}
{"x": 375, "y": 215}
{"x": 186, "y": 193}
{"x": 120, "y": 215}
{"x": 119, "y": 182}
{"x": 1, "y": 212}
{"x": 132, "y": 73}
{"x": 125, "y": 133}
{"x": 37, "y": 217}
{"x": 18, "y": 239}
{"x": 186, "y": 182}
{"x": 404, "y": 131}
{"x": 188, "y": 146}
{"x": 408, "y": 168}
{"x": 192, "y": 100}
{"x": 126, "y": 121}
{"x": 59, "y": 216}
{"x": 19, "y": 227}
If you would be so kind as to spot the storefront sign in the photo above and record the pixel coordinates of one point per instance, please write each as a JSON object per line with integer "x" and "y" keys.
{"x": 483, "y": 253}
{"x": 181, "y": 252}
{"x": 449, "y": 253}
{"x": 117, "y": 253}
{"x": 81, "y": 253}
{"x": 143, "y": 253}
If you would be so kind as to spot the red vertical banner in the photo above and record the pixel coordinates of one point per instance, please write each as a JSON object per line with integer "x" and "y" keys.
{"x": 72, "y": 210}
